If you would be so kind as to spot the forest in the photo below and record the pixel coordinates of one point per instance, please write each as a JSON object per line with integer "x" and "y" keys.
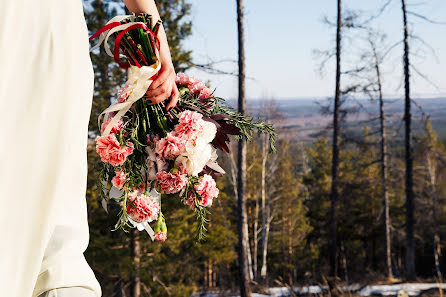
{"x": 358, "y": 203}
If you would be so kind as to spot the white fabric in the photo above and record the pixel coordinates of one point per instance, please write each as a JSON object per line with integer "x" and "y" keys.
{"x": 46, "y": 85}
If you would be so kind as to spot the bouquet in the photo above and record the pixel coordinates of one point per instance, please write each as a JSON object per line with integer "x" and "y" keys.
{"x": 150, "y": 154}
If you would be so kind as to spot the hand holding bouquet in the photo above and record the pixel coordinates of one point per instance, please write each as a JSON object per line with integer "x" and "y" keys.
{"x": 150, "y": 153}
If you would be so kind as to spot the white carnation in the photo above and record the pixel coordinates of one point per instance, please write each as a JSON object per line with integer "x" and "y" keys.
{"x": 208, "y": 132}
{"x": 196, "y": 156}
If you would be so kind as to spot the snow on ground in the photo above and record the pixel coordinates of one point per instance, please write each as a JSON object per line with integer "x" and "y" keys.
{"x": 217, "y": 295}
{"x": 412, "y": 289}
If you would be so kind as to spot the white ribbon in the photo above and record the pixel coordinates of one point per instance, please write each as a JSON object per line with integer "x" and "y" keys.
{"x": 214, "y": 166}
{"x": 142, "y": 226}
{"x": 138, "y": 78}
{"x": 104, "y": 190}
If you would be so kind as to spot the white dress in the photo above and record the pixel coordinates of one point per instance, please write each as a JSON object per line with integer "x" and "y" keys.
{"x": 46, "y": 87}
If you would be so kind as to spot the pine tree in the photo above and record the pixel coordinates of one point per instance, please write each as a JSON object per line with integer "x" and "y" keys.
{"x": 430, "y": 154}
{"x": 291, "y": 224}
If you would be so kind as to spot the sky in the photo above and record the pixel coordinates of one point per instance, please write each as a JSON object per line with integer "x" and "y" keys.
{"x": 281, "y": 37}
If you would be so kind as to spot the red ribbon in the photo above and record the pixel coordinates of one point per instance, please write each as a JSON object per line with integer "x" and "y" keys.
{"x": 103, "y": 29}
{"x": 119, "y": 39}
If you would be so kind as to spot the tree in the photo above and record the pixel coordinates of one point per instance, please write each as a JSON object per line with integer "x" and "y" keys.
{"x": 335, "y": 150}
{"x": 432, "y": 154}
{"x": 318, "y": 184}
{"x": 245, "y": 289}
{"x": 375, "y": 86}
{"x": 410, "y": 242}
{"x": 290, "y": 226}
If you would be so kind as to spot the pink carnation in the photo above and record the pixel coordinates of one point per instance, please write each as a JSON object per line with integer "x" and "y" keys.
{"x": 171, "y": 183}
{"x": 170, "y": 146}
{"x": 205, "y": 93}
{"x": 110, "y": 151}
{"x": 154, "y": 139}
{"x": 190, "y": 201}
{"x": 181, "y": 79}
{"x": 139, "y": 189}
{"x": 193, "y": 84}
{"x": 197, "y": 87}
{"x": 122, "y": 95}
{"x": 119, "y": 179}
{"x": 207, "y": 189}
{"x": 104, "y": 144}
{"x": 160, "y": 236}
{"x": 190, "y": 124}
{"x": 161, "y": 164}
{"x": 115, "y": 129}
{"x": 119, "y": 156}
{"x": 142, "y": 208}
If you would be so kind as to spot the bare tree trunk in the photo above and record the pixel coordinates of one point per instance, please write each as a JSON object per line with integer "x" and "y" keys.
{"x": 135, "y": 287}
{"x": 335, "y": 157}
{"x": 209, "y": 273}
{"x": 118, "y": 289}
{"x": 383, "y": 148}
{"x": 290, "y": 245}
{"x": 248, "y": 250}
{"x": 255, "y": 239}
{"x": 410, "y": 242}
{"x": 344, "y": 262}
{"x": 245, "y": 289}
{"x": 265, "y": 214}
{"x": 437, "y": 246}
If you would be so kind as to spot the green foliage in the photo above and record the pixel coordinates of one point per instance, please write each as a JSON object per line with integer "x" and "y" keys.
{"x": 247, "y": 124}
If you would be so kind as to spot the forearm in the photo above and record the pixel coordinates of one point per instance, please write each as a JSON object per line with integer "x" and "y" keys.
{"x": 143, "y": 6}
{"x": 149, "y": 7}
{"x": 164, "y": 85}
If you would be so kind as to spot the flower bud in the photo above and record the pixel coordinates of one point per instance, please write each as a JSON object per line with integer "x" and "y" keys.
{"x": 160, "y": 225}
{"x": 160, "y": 229}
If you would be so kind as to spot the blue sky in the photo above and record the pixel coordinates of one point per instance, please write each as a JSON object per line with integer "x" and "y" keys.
{"x": 281, "y": 36}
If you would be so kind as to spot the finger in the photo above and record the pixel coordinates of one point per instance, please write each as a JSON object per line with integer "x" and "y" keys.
{"x": 157, "y": 99}
{"x": 162, "y": 96}
{"x": 174, "y": 96}
{"x": 164, "y": 88}
{"x": 162, "y": 77}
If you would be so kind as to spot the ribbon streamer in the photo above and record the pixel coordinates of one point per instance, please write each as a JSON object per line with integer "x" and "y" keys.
{"x": 142, "y": 226}
{"x": 104, "y": 190}
{"x": 139, "y": 78}
{"x": 137, "y": 84}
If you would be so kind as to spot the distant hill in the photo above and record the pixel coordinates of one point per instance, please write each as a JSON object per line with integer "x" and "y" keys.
{"x": 302, "y": 120}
